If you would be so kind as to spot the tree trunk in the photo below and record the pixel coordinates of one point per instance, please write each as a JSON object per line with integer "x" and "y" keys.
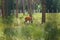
{"x": 17, "y": 8}
{"x": 7, "y": 6}
{"x": 3, "y": 8}
{"x": 43, "y": 11}
{"x": 23, "y": 7}
{"x": 30, "y": 8}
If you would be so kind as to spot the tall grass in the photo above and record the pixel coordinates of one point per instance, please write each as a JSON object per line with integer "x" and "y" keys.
{"x": 34, "y": 31}
{"x": 51, "y": 30}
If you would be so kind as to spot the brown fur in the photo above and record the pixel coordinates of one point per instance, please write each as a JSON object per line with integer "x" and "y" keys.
{"x": 28, "y": 18}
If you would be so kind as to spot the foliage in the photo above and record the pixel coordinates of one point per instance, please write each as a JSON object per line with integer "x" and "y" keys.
{"x": 51, "y": 30}
{"x": 9, "y": 31}
{"x": 32, "y": 31}
{"x": 35, "y": 31}
{"x": 26, "y": 31}
{"x": 0, "y": 3}
{"x": 51, "y": 5}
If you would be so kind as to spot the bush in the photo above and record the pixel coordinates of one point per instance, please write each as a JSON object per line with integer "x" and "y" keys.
{"x": 32, "y": 32}
{"x": 50, "y": 31}
{"x": 26, "y": 32}
{"x": 9, "y": 32}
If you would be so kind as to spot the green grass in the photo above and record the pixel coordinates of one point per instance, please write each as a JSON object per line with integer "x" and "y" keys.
{"x": 26, "y": 31}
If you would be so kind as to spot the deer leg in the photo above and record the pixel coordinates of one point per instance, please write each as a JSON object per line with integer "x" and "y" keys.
{"x": 31, "y": 21}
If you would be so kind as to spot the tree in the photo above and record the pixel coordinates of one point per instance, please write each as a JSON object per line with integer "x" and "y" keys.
{"x": 58, "y": 5}
{"x": 16, "y": 8}
{"x": 0, "y": 3}
{"x": 30, "y": 8}
{"x": 23, "y": 6}
{"x": 7, "y": 6}
{"x": 43, "y": 10}
{"x": 51, "y": 5}
{"x": 51, "y": 29}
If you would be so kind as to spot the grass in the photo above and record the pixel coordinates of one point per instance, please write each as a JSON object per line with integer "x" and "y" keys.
{"x": 33, "y": 31}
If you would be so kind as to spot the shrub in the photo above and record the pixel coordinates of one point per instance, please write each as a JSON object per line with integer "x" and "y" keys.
{"x": 50, "y": 31}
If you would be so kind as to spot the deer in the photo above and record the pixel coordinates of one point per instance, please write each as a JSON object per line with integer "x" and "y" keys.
{"x": 28, "y": 19}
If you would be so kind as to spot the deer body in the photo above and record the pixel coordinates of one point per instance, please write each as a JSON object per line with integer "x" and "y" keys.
{"x": 28, "y": 19}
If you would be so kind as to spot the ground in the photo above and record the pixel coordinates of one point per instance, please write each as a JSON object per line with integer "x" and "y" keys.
{"x": 27, "y": 30}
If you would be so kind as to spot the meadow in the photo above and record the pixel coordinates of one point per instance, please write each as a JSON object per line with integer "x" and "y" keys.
{"x": 30, "y": 31}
